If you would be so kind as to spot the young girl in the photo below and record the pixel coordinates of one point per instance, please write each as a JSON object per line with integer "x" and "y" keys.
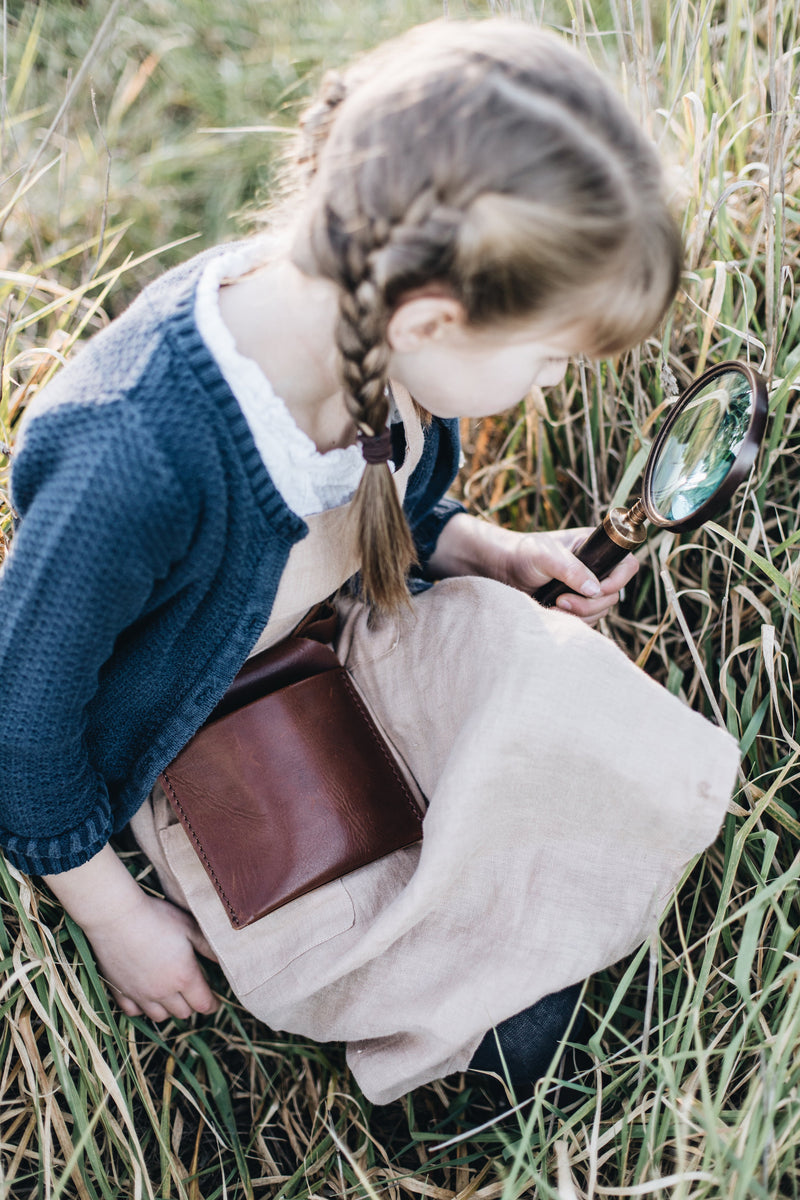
{"x": 477, "y": 207}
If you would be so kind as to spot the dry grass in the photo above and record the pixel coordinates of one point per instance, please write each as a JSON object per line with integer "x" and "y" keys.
{"x": 695, "y": 1091}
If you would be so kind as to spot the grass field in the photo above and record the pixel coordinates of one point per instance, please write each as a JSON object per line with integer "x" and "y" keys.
{"x": 133, "y": 134}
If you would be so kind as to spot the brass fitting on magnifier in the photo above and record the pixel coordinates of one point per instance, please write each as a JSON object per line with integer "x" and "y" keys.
{"x": 625, "y": 526}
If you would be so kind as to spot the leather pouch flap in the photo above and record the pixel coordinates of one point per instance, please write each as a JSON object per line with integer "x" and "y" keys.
{"x": 289, "y": 792}
{"x": 282, "y": 665}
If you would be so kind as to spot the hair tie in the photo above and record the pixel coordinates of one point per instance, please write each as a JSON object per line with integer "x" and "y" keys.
{"x": 376, "y": 447}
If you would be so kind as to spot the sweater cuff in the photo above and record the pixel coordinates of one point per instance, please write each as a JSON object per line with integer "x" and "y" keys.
{"x": 51, "y": 856}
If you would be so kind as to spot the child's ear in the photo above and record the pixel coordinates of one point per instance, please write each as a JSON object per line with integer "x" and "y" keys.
{"x": 417, "y": 322}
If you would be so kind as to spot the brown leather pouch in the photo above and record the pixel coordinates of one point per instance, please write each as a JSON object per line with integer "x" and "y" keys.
{"x": 289, "y": 784}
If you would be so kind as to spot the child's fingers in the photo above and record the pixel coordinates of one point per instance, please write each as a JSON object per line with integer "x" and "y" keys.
{"x": 192, "y": 992}
{"x": 155, "y": 1011}
{"x": 622, "y": 574}
{"x": 194, "y": 987}
{"x": 592, "y": 610}
{"x": 127, "y": 1005}
{"x": 174, "y": 1006}
{"x": 199, "y": 995}
{"x": 546, "y": 556}
{"x": 589, "y": 611}
{"x": 179, "y": 1004}
{"x": 200, "y": 944}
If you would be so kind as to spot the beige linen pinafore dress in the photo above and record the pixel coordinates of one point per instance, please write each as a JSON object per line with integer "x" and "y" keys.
{"x": 565, "y": 793}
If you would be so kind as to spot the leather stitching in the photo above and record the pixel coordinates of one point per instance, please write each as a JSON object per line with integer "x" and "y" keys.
{"x": 409, "y": 799}
{"x": 187, "y": 824}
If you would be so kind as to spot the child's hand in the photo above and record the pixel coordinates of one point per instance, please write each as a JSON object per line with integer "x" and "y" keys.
{"x": 468, "y": 546}
{"x": 147, "y": 957}
{"x": 144, "y": 946}
{"x": 545, "y": 556}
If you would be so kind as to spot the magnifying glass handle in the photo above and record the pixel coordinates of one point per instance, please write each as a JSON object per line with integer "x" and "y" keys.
{"x": 603, "y": 549}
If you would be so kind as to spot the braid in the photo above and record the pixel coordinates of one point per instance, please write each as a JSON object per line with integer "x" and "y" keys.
{"x": 316, "y": 122}
{"x": 362, "y": 342}
{"x": 385, "y": 541}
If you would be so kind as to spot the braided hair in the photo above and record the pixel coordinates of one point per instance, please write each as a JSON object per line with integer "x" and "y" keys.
{"x": 490, "y": 159}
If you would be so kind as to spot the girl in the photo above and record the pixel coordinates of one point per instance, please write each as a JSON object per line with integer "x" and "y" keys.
{"x": 476, "y": 208}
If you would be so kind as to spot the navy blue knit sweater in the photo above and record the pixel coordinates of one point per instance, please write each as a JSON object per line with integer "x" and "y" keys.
{"x": 149, "y": 546}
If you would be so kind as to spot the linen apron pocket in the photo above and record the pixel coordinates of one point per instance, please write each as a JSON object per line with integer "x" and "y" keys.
{"x": 251, "y": 956}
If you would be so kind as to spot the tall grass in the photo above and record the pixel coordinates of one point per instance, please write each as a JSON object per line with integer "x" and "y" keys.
{"x": 695, "y": 1085}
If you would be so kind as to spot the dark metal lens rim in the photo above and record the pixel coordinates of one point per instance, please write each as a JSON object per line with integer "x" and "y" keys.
{"x": 741, "y": 465}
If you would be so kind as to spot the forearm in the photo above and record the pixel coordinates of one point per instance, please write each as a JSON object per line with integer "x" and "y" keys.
{"x": 99, "y": 891}
{"x": 470, "y": 546}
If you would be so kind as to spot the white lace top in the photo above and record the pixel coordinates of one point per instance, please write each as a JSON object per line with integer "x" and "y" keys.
{"x": 309, "y": 482}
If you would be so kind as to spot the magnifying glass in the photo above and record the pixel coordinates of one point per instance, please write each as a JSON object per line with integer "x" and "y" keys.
{"x": 701, "y": 454}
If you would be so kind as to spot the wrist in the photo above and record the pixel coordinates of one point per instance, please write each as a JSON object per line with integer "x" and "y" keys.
{"x": 98, "y": 893}
{"x": 471, "y": 546}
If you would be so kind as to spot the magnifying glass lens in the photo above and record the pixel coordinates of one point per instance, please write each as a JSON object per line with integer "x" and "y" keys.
{"x": 702, "y": 445}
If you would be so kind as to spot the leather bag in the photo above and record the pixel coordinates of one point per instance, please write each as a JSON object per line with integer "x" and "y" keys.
{"x": 289, "y": 784}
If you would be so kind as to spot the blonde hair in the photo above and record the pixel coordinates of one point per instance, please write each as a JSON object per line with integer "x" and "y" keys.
{"x": 493, "y": 160}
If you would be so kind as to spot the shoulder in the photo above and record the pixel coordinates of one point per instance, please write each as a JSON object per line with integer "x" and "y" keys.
{"x": 141, "y": 381}
{"x": 139, "y": 347}
{"x": 91, "y": 476}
